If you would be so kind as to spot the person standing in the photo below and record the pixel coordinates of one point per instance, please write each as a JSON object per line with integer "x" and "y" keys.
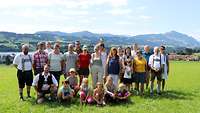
{"x": 140, "y": 68}
{"x": 78, "y": 49}
{"x": 84, "y": 62}
{"x": 165, "y": 71}
{"x": 23, "y": 64}
{"x": 40, "y": 58}
{"x": 146, "y": 54}
{"x": 70, "y": 59}
{"x": 96, "y": 67}
{"x": 48, "y": 47}
{"x": 113, "y": 66}
{"x": 55, "y": 62}
{"x": 155, "y": 63}
{"x": 135, "y": 49}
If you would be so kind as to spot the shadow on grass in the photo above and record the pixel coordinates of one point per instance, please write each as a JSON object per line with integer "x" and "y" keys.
{"x": 172, "y": 95}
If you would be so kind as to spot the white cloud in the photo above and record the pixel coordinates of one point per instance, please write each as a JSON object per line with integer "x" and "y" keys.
{"x": 145, "y": 17}
{"x": 119, "y": 11}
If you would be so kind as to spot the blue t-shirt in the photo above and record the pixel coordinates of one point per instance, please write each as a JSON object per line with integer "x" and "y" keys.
{"x": 146, "y": 56}
{"x": 114, "y": 66}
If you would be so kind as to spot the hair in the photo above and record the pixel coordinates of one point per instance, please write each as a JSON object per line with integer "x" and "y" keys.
{"x": 126, "y": 50}
{"x": 25, "y": 46}
{"x": 162, "y": 47}
{"x": 107, "y": 79}
{"x": 65, "y": 81}
{"x": 111, "y": 52}
{"x": 99, "y": 83}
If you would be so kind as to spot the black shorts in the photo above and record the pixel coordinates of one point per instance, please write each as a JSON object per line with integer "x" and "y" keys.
{"x": 127, "y": 80}
{"x": 155, "y": 74}
{"x": 25, "y": 77}
{"x": 84, "y": 71}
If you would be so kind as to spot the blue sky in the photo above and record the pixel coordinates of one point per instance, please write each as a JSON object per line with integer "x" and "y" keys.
{"x": 127, "y": 17}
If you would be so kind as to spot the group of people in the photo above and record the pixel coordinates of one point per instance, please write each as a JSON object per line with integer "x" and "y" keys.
{"x": 114, "y": 75}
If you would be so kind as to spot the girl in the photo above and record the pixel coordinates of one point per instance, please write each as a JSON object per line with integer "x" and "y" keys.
{"x": 65, "y": 93}
{"x": 99, "y": 94}
{"x": 113, "y": 66}
{"x": 122, "y": 93}
{"x": 85, "y": 93}
{"x": 127, "y": 80}
{"x": 110, "y": 90}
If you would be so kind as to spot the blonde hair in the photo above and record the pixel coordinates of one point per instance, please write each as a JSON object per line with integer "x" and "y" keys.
{"x": 111, "y": 52}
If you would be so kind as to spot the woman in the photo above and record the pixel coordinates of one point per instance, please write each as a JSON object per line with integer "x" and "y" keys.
{"x": 84, "y": 62}
{"x": 113, "y": 65}
{"x": 140, "y": 68}
{"x": 120, "y": 52}
{"x": 55, "y": 61}
{"x": 96, "y": 67}
{"x": 102, "y": 50}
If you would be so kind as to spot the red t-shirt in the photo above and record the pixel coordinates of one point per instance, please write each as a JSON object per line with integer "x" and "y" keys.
{"x": 84, "y": 60}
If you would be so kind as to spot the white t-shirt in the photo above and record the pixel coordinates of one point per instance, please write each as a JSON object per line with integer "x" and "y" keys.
{"x": 23, "y": 61}
{"x": 70, "y": 60}
{"x": 55, "y": 61}
{"x": 155, "y": 61}
{"x": 127, "y": 73}
{"x": 45, "y": 86}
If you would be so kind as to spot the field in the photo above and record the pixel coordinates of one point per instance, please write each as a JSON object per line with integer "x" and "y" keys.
{"x": 182, "y": 96}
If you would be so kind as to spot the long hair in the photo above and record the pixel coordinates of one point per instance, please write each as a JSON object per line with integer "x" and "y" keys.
{"x": 111, "y": 52}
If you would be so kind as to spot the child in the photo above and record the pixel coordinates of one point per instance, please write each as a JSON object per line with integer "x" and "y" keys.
{"x": 85, "y": 92}
{"x": 122, "y": 93}
{"x": 99, "y": 94}
{"x": 73, "y": 80}
{"x": 65, "y": 93}
{"x": 127, "y": 80}
{"x": 110, "y": 90}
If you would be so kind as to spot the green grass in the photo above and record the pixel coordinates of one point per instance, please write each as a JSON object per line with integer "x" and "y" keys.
{"x": 182, "y": 96}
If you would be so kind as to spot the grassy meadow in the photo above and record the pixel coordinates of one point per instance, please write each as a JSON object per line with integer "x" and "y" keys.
{"x": 182, "y": 95}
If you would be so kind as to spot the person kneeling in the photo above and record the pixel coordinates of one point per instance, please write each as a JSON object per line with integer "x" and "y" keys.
{"x": 45, "y": 84}
{"x": 110, "y": 90}
{"x": 65, "y": 93}
{"x": 123, "y": 94}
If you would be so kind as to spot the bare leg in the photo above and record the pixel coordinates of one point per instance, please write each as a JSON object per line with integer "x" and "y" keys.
{"x": 28, "y": 91}
{"x": 163, "y": 84}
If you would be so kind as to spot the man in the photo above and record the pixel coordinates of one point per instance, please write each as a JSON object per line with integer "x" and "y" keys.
{"x": 45, "y": 83}
{"x": 78, "y": 49}
{"x": 48, "y": 47}
{"x": 70, "y": 59}
{"x": 165, "y": 71}
{"x": 146, "y": 54}
{"x": 23, "y": 63}
{"x": 155, "y": 63}
{"x": 40, "y": 58}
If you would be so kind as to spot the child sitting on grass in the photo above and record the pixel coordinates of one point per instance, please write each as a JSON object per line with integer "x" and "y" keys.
{"x": 65, "y": 93}
{"x": 85, "y": 92}
{"x": 99, "y": 94}
{"x": 73, "y": 80}
{"x": 122, "y": 93}
{"x": 110, "y": 90}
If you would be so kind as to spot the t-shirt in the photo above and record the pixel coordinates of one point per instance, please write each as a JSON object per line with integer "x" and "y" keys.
{"x": 55, "y": 61}
{"x": 139, "y": 65}
{"x": 23, "y": 62}
{"x": 66, "y": 91}
{"x": 146, "y": 56}
{"x": 48, "y": 50}
{"x": 84, "y": 60}
{"x": 104, "y": 58}
{"x": 128, "y": 72}
{"x": 70, "y": 60}
{"x": 73, "y": 80}
{"x": 155, "y": 61}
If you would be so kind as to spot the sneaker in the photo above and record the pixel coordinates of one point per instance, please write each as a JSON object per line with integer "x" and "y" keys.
{"x": 159, "y": 93}
{"x": 28, "y": 96}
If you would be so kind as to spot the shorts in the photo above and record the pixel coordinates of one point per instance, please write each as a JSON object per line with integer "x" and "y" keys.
{"x": 25, "y": 77}
{"x": 127, "y": 80}
{"x": 140, "y": 77}
{"x": 84, "y": 71}
{"x": 155, "y": 74}
{"x": 56, "y": 74}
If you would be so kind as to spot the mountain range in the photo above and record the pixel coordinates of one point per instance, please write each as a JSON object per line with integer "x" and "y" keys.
{"x": 170, "y": 39}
